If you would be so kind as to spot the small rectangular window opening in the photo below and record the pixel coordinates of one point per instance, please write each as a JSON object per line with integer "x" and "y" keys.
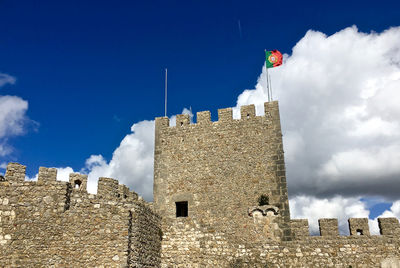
{"x": 181, "y": 209}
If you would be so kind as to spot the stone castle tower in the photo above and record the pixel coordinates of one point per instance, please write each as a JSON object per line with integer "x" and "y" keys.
{"x": 216, "y": 172}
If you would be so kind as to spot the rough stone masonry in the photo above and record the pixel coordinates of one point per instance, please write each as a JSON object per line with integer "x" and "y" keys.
{"x": 220, "y": 200}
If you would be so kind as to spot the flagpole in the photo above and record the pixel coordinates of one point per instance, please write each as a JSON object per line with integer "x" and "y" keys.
{"x": 270, "y": 86}
{"x": 166, "y": 87}
{"x": 266, "y": 67}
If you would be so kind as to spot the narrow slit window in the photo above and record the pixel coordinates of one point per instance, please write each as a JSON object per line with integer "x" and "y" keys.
{"x": 181, "y": 209}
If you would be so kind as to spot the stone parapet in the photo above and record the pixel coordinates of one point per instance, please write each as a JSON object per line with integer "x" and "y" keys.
{"x": 389, "y": 226}
{"x": 65, "y": 226}
{"x": 15, "y": 172}
{"x": 47, "y": 175}
{"x": 328, "y": 227}
{"x": 300, "y": 228}
{"x": 225, "y": 116}
{"x": 358, "y": 226}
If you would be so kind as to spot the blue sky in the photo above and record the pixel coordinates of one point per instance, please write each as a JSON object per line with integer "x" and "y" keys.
{"x": 89, "y": 70}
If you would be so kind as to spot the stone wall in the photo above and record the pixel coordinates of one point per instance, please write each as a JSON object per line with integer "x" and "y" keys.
{"x": 219, "y": 170}
{"x": 191, "y": 246}
{"x": 53, "y": 223}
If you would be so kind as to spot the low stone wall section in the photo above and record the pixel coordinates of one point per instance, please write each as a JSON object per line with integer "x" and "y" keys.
{"x": 49, "y": 223}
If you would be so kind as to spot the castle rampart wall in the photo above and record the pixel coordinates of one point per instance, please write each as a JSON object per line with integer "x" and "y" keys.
{"x": 205, "y": 247}
{"x": 50, "y": 222}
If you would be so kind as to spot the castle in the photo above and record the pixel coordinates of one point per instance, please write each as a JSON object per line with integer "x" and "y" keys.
{"x": 220, "y": 200}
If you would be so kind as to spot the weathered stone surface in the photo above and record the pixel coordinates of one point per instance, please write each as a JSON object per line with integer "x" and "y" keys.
{"x": 359, "y": 226}
{"x": 389, "y": 226}
{"x": 50, "y": 223}
{"x": 220, "y": 169}
{"x": 210, "y": 178}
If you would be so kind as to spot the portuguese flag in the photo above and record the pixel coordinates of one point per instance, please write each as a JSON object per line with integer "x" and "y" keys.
{"x": 273, "y": 58}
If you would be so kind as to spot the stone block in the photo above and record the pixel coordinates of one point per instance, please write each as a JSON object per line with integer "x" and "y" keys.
{"x": 182, "y": 120}
{"x": 15, "y": 172}
{"x": 47, "y": 174}
{"x": 389, "y": 226}
{"x": 78, "y": 182}
{"x": 328, "y": 227}
{"x": 203, "y": 117}
{"x": 108, "y": 188}
{"x": 358, "y": 226}
{"x": 247, "y": 111}
{"x": 300, "y": 228}
{"x": 225, "y": 115}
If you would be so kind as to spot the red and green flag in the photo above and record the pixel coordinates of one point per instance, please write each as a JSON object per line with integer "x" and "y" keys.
{"x": 273, "y": 58}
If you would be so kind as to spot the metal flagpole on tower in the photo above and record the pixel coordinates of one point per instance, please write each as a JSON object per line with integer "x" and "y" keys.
{"x": 166, "y": 86}
{"x": 266, "y": 67}
{"x": 270, "y": 86}
{"x": 269, "y": 96}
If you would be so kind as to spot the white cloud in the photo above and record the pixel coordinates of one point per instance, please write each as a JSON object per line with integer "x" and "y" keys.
{"x": 63, "y": 173}
{"x": 5, "y": 149}
{"x": 34, "y": 178}
{"x": 338, "y": 98}
{"x": 131, "y": 163}
{"x": 6, "y": 79}
{"x": 12, "y": 116}
{"x": 339, "y": 207}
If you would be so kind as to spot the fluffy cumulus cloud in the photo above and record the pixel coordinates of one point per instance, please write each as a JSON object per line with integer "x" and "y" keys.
{"x": 338, "y": 98}
{"x": 13, "y": 118}
{"x": 63, "y": 173}
{"x": 12, "y": 115}
{"x": 131, "y": 163}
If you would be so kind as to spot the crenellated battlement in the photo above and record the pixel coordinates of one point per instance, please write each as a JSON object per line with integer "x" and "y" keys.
{"x": 107, "y": 189}
{"x": 15, "y": 173}
{"x": 60, "y": 224}
{"x": 225, "y": 116}
{"x": 328, "y": 227}
{"x": 47, "y": 174}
